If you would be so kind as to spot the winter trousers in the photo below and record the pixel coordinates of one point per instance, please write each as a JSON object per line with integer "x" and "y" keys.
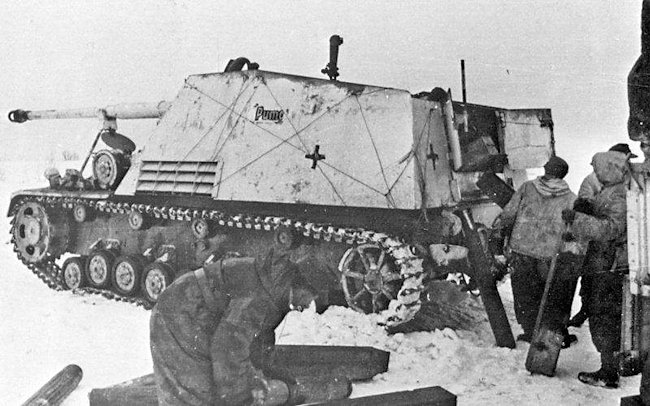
{"x": 528, "y": 281}
{"x": 605, "y": 315}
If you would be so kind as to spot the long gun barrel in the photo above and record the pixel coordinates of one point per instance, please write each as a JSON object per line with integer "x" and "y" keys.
{"x": 108, "y": 113}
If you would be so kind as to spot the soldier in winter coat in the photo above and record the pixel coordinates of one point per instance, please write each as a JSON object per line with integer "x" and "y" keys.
{"x": 606, "y": 260}
{"x": 534, "y": 213}
{"x": 212, "y": 330}
{"x": 589, "y": 188}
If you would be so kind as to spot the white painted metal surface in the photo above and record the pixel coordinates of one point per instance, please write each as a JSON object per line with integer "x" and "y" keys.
{"x": 260, "y": 126}
{"x": 270, "y": 137}
{"x": 431, "y": 160}
{"x": 526, "y": 141}
{"x": 638, "y": 210}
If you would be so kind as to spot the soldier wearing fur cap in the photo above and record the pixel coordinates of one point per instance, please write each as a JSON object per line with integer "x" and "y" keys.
{"x": 605, "y": 226}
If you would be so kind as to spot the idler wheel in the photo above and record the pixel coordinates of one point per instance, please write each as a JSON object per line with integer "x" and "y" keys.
{"x": 39, "y": 233}
{"x": 126, "y": 275}
{"x": 106, "y": 169}
{"x": 98, "y": 268}
{"x": 368, "y": 278}
{"x": 155, "y": 278}
{"x": 73, "y": 273}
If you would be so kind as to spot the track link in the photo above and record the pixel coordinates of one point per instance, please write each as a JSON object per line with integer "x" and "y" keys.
{"x": 400, "y": 310}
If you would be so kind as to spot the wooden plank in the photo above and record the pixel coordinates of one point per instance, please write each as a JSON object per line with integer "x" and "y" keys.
{"x": 496, "y": 188}
{"x": 355, "y": 363}
{"x": 430, "y": 396}
{"x": 634, "y": 400}
{"x": 627, "y": 317}
{"x": 487, "y": 285}
{"x": 553, "y": 313}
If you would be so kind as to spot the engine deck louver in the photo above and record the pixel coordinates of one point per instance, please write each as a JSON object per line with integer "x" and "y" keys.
{"x": 193, "y": 178}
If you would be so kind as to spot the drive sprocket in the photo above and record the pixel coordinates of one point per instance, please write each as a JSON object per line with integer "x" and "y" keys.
{"x": 39, "y": 234}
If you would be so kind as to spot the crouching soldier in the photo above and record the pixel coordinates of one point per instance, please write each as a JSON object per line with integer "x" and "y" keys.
{"x": 212, "y": 330}
{"x": 606, "y": 260}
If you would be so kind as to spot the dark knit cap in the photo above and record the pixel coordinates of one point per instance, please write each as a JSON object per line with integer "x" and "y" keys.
{"x": 556, "y": 167}
{"x": 624, "y": 148}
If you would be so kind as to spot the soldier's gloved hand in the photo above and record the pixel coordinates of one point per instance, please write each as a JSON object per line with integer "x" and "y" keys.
{"x": 568, "y": 237}
{"x": 568, "y": 215}
{"x": 260, "y": 390}
{"x": 281, "y": 373}
{"x": 582, "y": 205}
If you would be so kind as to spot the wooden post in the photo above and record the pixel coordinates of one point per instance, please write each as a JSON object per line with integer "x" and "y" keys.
{"x": 58, "y": 388}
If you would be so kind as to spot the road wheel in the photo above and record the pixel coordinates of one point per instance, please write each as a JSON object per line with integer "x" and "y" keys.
{"x": 74, "y": 275}
{"x": 369, "y": 278}
{"x": 99, "y": 267}
{"x": 126, "y": 275}
{"x": 156, "y": 277}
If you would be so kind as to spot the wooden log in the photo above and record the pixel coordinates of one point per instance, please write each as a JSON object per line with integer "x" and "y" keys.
{"x": 431, "y": 396}
{"x": 308, "y": 389}
{"x": 136, "y": 395}
{"x": 323, "y": 372}
{"x": 58, "y": 388}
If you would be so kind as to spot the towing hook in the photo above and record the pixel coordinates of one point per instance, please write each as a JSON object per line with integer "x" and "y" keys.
{"x": 18, "y": 116}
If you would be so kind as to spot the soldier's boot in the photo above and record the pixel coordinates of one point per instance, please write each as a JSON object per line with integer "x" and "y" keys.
{"x": 579, "y": 318}
{"x": 601, "y": 378}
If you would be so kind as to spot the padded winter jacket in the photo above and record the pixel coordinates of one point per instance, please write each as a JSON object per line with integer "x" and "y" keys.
{"x": 535, "y": 214}
{"x": 609, "y": 222}
{"x": 211, "y": 353}
{"x": 589, "y": 186}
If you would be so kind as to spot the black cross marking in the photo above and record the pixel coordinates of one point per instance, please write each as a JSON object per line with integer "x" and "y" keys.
{"x": 432, "y": 156}
{"x": 315, "y": 156}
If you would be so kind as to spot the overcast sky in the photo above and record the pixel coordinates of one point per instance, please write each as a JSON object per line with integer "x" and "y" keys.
{"x": 570, "y": 56}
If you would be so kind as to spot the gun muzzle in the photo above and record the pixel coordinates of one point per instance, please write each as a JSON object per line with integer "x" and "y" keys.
{"x": 18, "y": 116}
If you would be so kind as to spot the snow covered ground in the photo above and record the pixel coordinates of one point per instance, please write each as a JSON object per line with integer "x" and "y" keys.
{"x": 43, "y": 330}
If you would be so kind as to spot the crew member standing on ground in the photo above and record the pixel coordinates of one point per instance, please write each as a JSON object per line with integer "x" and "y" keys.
{"x": 589, "y": 188}
{"x": 534, "y": 213}
{"x": 212, "y": 330}
{"x": 606, "y": 260}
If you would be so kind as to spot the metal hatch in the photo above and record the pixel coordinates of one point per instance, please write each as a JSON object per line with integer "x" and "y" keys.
{"x": 526, "y": 137}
